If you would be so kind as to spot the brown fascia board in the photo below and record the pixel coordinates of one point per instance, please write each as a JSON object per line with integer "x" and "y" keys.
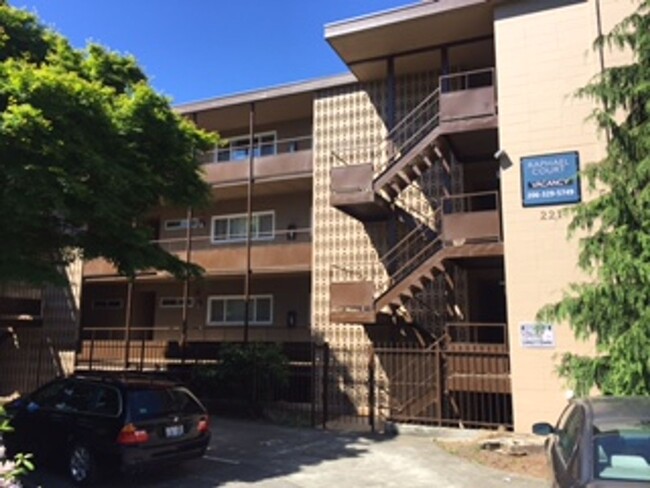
{"x": 262, "y": 94}
{"x": 395, "y": 16}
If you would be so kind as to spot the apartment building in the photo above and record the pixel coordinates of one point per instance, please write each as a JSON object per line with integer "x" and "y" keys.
{"x": 416, "y": 199}
{"x": 39, "y": 332}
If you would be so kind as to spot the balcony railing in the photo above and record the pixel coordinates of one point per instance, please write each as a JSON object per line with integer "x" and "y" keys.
{"x": 260, "y": 150}
{"x": 203, "y": 242}
{"x": 468, "y": 96}
{"x": 472, "y": 217}
{"x": 404, "y": 136}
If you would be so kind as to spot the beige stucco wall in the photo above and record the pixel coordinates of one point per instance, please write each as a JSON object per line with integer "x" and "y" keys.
{"x": 543, "y": 50}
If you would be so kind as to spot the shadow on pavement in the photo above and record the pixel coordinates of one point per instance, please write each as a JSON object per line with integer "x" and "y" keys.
{"x": 241, "y": 451}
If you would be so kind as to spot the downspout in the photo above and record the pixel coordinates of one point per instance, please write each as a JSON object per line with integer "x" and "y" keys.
{"x": 391, "y": 97}
{"x": 186, "y": 283}
{"x": 249, "y": 219}
{"x": 601, "y": 54}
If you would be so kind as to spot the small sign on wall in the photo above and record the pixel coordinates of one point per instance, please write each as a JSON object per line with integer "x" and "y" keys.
{"x": 551, "y": 179}
{"x": 537, "y": 336}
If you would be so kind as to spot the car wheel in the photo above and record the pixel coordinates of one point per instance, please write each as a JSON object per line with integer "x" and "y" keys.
{"x": 81, "y": 465}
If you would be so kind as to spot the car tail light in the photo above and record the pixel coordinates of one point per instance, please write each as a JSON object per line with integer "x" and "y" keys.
{"x": 130, "y": 435}
{"x": 204, "y": 424}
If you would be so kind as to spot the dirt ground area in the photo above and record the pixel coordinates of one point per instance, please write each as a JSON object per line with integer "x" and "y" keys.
{"x": 509, "y": 453}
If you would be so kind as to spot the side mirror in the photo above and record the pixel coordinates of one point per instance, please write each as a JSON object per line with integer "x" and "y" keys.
{"x": 543, "y": 428}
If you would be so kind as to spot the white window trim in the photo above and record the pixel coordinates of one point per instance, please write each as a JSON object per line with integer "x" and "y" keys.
{"x": 252, "y": 299}
{"x": 230, "y": 240}
{"x": 108, "y": 304}
{"x": 257, "y": 136}
{"x": 178, "y": 302}
{"x": 181, "y": 224}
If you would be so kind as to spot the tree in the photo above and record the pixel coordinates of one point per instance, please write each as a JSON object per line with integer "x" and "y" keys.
{"x": 614, "y": 306}
{"x": 87, "y": 150}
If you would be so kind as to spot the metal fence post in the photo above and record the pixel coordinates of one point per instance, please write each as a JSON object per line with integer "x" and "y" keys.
{"x": 371, "y": 387}
{"x": 313, "y": 384}
{"x": 325, "y": 383}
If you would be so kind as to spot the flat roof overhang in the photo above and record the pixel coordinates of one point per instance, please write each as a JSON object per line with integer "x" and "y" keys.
{"x": 292, "y": 101}
{"x": 364, "y": 43}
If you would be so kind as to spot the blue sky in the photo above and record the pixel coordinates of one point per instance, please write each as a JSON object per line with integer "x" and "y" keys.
{"x": 198, "y": 49}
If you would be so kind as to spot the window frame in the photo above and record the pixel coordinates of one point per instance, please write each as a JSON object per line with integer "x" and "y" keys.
{"x": 225, "y": 298}
{"x": 256, "y": 234}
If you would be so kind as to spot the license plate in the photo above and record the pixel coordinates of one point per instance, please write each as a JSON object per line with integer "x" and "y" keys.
{"x": 174, "y": 431}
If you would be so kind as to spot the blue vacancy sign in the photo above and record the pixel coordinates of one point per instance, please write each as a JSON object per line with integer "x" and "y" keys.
{"x": 551, "y": 179}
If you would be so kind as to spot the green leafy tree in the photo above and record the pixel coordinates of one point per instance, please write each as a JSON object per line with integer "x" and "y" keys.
{"x": 614, "y": 306}
{"x": 12, "y": 469}
{"x": 87, "y": 150}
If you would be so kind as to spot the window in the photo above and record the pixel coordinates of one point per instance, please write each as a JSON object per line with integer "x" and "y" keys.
{"x": 229, "y": 310}
{"x": 146, "y": 404}
{"x": 569, "y": 430}
{"x": 108, "y": 304}
{"x": 181, "y": 224}
{"x": 175, "y": 302}
{"x": 238, "y": 148}
{"x": 232, "y": 228}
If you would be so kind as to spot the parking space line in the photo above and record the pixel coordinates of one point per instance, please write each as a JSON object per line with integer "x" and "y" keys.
{"x": 221, "y": 460}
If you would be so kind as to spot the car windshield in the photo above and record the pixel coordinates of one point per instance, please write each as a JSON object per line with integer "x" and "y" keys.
{"x": 622, "y": 452}
{"x": 147, "y": 404}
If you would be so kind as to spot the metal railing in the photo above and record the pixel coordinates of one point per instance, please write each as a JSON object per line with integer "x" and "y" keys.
{"x": 403, "y": 137}
{"x": 419, "y": 122}
{"x": 260, "y": 150}
{"x": 477, "y": 333}
{"x": 333, "y": 385}
{"x": 468, "y": 80}
{"x": 203, "y": 242}
{"x": 471, "y": 202}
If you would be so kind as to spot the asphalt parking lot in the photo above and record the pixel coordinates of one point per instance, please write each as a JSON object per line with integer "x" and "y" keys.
{"x": 245, "y": 453}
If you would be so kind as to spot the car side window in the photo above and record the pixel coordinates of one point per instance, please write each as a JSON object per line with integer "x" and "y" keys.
{"x": 106, "y": 401}
{"x": 569, "y": 431}
{"x": 184, "y": 402}
{"x": 50, "y": 395}
{"x": 94, "y": 399}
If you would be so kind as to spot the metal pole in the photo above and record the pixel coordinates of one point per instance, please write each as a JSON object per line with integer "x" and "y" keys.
{"x": 249, "y": 220}
{"x": 186, "y": 283}
{"x": 127, "y": 331}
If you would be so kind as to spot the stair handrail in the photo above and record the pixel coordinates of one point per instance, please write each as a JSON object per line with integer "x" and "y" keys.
{"x": 424, "y": 223}
{"x": 387, "y": 145}
{"x": 403, "y": 272}
{"x": 397, "y": 149}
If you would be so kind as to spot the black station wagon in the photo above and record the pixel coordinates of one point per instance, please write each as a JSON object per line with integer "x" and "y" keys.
{"x": 123, "y": 421}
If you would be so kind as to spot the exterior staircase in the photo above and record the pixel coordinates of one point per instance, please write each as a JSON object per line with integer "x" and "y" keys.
{"x": 368, "y": 192}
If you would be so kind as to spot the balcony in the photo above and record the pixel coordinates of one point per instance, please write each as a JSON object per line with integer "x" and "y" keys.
{"x": 286, "y": 251}
{"x": 471, "y": 218}
{"x": 468, "y": 101}
{"x": 287, "y": 159}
